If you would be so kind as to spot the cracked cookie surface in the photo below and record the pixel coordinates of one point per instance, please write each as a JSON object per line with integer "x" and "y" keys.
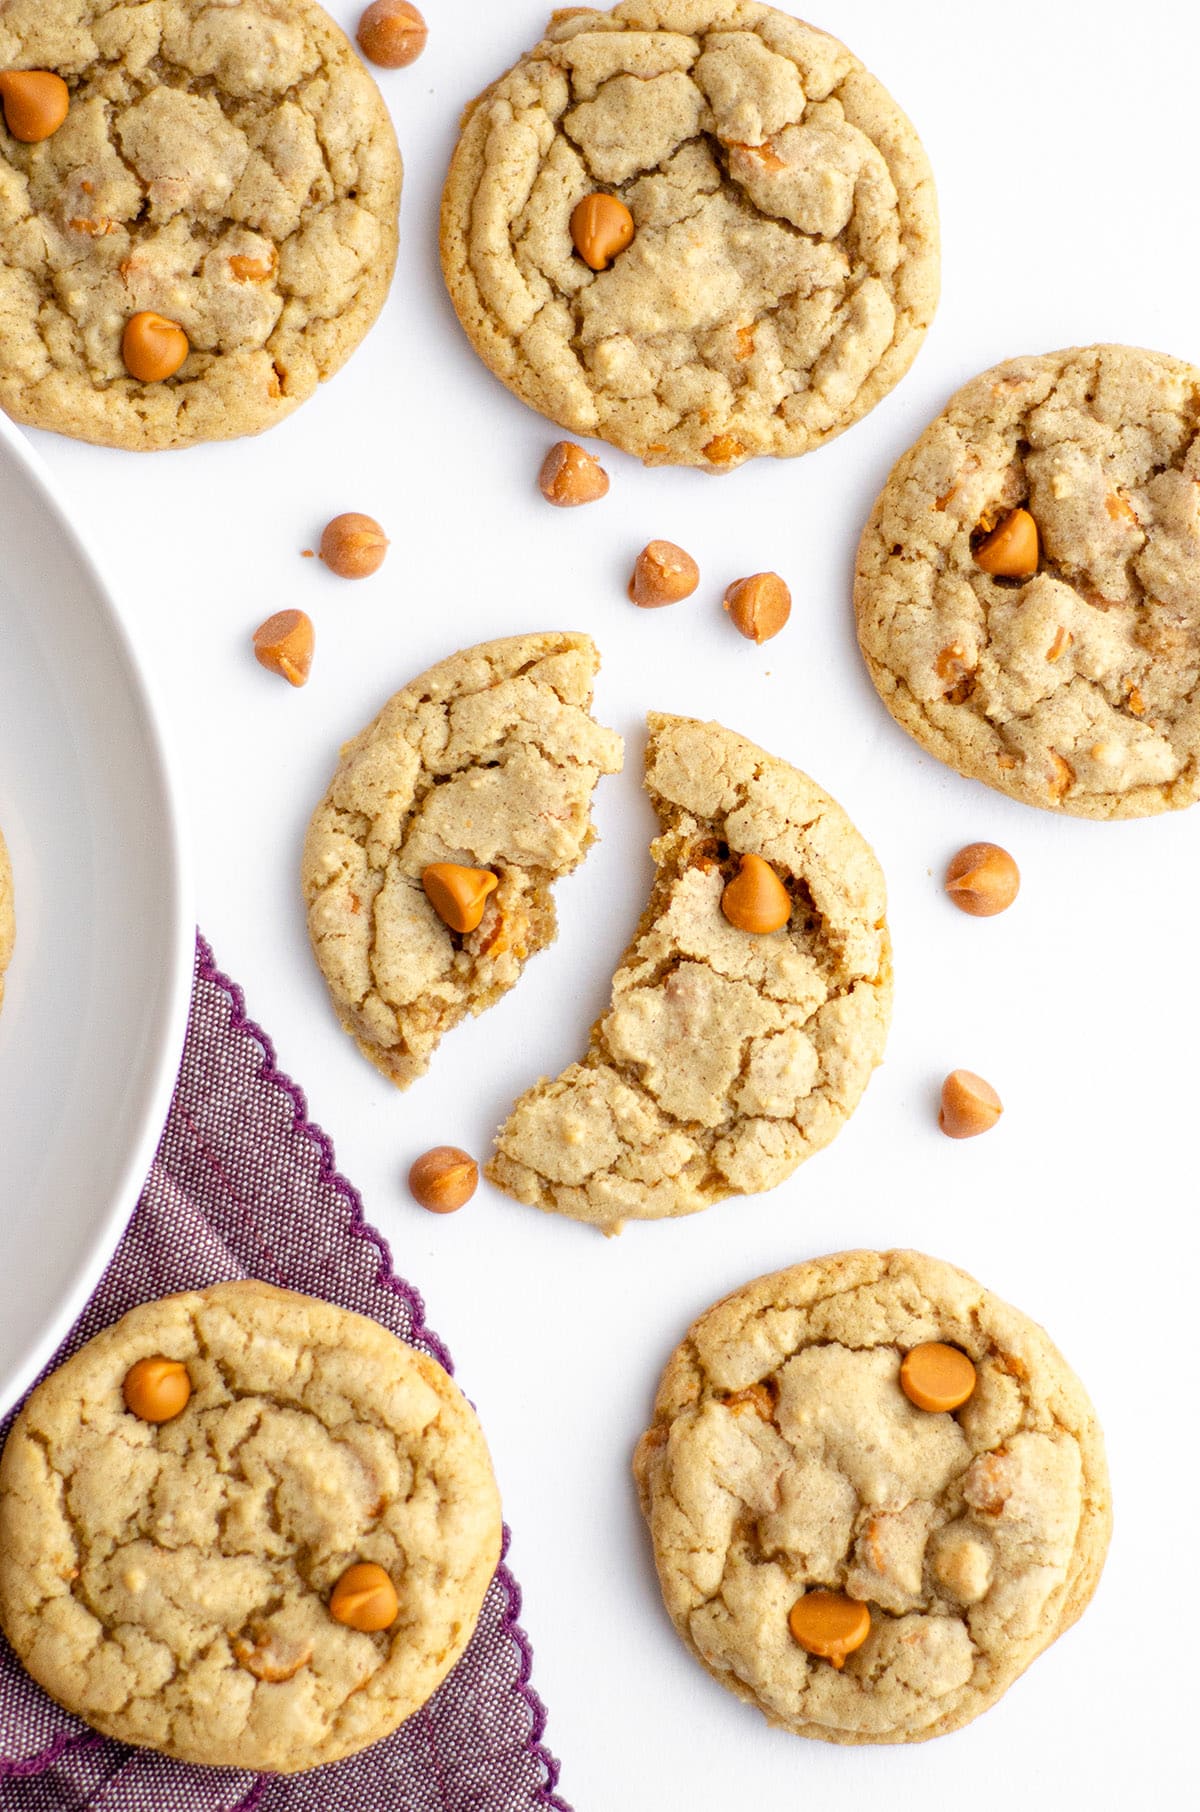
{"x": 784, "y": 1456}
{"x": 232, "y": 168}
{"x": 784, "y": 266}
{"x": 8, "y": 923}
{"x": 1078, "y": 688}
{"x": 725, "y": 1059}
{"x": 169, "y": 1584}
{"x": 488, "y": 760}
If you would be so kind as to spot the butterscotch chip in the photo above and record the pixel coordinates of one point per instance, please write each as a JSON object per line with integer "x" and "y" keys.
{"x": 601, "y": 228}
{"x": 570, "y": 476}
{"x": 458, "y": 895}
{"x": 35, "y": 102}
{"x": 365, "y": 1599}
{"x": 486, "y": 762}
{"x": 723, "y": 1060}
{"x": 353, "y": 546}
{"x": 774, "y": 190}
{"x": 284, "y": 644}
{"x": 970, "y": 1105}
{"x": 152, "y": 347}
{"x": 937, "y": 1377}
{"x": 1091, "y": 454}
{"x": 982, "y": 880}
{"x": 756, "y": 899}
{"x": 759, "y": 606}
{"x": 444, "y": 1179}
{"x": 662, "y": 574}
{"x": 392, "y": 33}
{"x": 231, "y": 168}
{"x": 1011, "y": 550}
{"x": 157, "y": 1389}
{"x": 829, "y": 1625}
{"x": 862, "y": 1569}
{"x": 197, "y": 1575}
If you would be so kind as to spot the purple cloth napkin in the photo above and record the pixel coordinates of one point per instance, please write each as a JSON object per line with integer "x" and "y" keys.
{"x": 243, "y": 1185}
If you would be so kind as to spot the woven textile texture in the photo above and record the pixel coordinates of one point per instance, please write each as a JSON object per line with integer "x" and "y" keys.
{"x": 244, "y": 1186}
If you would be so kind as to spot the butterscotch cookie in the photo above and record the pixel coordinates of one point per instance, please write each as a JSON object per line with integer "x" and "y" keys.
{"x": 1028, "y": 585}
{"x": 245, "y": 1528}
{"x": 875, "y": 1492}
{"x": 429, "y": 863}
{"x": 231, "y": 170}
{"x": 746, "y": 1015}
{"x": 8, "y": 923}
{"x": 697, "y": 228}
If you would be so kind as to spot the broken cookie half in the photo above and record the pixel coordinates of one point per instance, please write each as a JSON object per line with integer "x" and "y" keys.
{"x": 482, "y": 770}
{"x": 727, "y": 1055}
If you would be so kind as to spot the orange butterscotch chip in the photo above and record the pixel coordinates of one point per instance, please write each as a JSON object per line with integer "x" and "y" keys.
{"x": 1058, "y": 647}
{"x": 246, "y": 269}
{"x": 1011, "y": 550}
{"x": 937, "y": 1377}
{"x": 392, "y": 33}
{"x": 157, "y": 1389}
{"x": 458, "y": 895}
{"x": 757, "y": 1399}
{"x": 364, "y": 1598}
{"x": 152, "y": 347}
{"x": 970, "y": 1105}
{"x": 756, "y": 900}
{"x": 982, "y": 880}
{"x": 829, "y": 1625}
{"x": 36, "y": 102}
{"x": 601, "y": 228}
{"x": 724, "y": 449}
{"x": 284, "y": 645}
{"x": 444, "y": 1179}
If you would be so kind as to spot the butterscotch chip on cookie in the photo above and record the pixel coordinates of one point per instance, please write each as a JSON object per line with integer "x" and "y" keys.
{"x": 1028, "y": 585}
{"x": 696, "y": 228}
{"x": 176, "y": 1583}
{"x": 739, "y": 1039}
{"x": 787, "y": 1465}
{"x": 486, "y": 763}
{"x": 8, "y": 923}
{"x": 230, "y": 169}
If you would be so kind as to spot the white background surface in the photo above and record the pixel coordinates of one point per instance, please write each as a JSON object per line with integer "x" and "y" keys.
{"x": 1063, "y": 141}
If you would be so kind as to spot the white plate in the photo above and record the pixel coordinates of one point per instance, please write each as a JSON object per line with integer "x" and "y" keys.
{"x": 96, "y": 999}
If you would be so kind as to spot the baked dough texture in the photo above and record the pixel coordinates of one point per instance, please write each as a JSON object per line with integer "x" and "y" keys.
{"x": 784, "y": 1456}
{"x": 8, "y": 923}
{"x": 170, "y": 1584}
{"x": 1077, "y": 689}
{"x": 488, "y": 760}
{"x": 230, "y": 167}
{"x": 785, "y": 265}
{"x": 725, "y": 1058}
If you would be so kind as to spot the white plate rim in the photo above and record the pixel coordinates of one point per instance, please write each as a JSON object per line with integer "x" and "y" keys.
{"x": 174, "y": 998}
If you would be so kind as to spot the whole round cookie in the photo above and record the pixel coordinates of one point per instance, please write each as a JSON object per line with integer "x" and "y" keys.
{"x": 230, "y": 168}
{"x": 486, "y": 763}
{"x": 8, "y": 923}
{"x": 1028, "y": 585}
{"x": 280, "y": 1573}
{"x": 875, "y": 1492}
{"x": 734, "y": 1047}
{"x": 760, "y": 264}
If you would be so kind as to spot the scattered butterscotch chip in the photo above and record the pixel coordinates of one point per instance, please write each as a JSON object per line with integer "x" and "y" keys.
{"x": 601, "y": 228}
{"x": 936, "y": 1377}
{"x": 284, "y": 645}
{"x": 570, "y": 476}
{"x": 756, "y": 899}
{"x": 829, "y": 1625}
{"x": 756, "y": 1399}
{"x": 663, "y": 574}
{"x": 392, "y": 33}
{"x": 1011, "y": 550}
{"x": 458, "y": 895}
{"x": 152, "y": 347}
{"x": 983, "y": 879}
{"x": 444, "y": 1179}
{"x": 157, "y": 1389}
{"x": 353, "y": 546}
{"x": 36, "y": 102}
{"x": 969, "y": 1105}
{"x": 1058, "y": 647}
{"x": 364, "y": 1598}
{"x": 759, "y": 606}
